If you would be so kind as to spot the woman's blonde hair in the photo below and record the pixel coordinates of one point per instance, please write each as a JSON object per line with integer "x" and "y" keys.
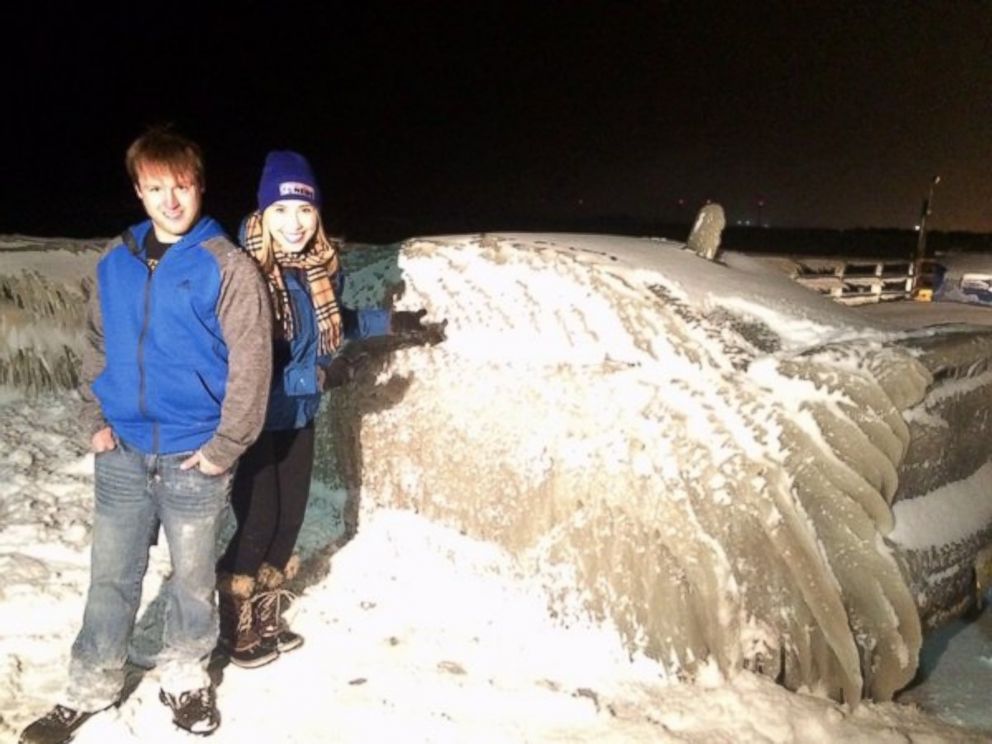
{"x": 267, "y": 255}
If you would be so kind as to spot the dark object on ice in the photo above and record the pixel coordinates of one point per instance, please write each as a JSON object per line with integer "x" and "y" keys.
{"x": 410, "y": 324}
{"x": 341, "y": 371}
{"x": 963, "y": 278}
{"x": 194, "y": 711}
{"x": 705, "y": 236}
{"x": 408, "y": 330}
{"x": 55, "y": 727}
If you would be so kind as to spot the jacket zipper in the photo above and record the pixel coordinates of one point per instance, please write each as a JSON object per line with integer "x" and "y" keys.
{"x": 142, "y": 376}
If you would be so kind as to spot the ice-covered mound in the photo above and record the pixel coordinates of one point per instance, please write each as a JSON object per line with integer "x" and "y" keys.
{"x": 43, "y": 285}
{"x": 707, "y": 452}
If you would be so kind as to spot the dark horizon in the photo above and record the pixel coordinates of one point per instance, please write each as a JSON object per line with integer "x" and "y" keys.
{"x": 438, "y": 116}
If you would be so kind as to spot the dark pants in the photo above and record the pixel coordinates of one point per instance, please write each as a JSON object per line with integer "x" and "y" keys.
{"x": 269, "y": 497}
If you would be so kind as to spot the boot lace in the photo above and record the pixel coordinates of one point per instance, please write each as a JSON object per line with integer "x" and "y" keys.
{"x": 244, "y": 617}
{"x": 272, "y": 602}
{"x": 193, "y": 710}
{"x": 203, "y": 697}
{"x": 63, "y": 715}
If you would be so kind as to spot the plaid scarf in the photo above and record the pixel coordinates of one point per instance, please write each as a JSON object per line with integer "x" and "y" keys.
{"x": 319, "y": 263}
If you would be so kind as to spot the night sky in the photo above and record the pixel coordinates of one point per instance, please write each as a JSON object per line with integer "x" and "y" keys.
{"x": 427, "y": 117}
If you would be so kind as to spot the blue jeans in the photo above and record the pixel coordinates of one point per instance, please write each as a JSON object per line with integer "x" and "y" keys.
{"x": 135, "y": 493}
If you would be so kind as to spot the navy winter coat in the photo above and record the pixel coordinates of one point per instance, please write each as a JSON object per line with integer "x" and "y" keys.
{"x": 295, "y": 396}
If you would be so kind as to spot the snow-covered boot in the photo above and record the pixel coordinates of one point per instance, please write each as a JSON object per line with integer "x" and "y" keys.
{"x": 272, "y": 599}
{"x": 239, "y": 636}
{"x": 55, "y": 727}
{"x": 194, "y": 711}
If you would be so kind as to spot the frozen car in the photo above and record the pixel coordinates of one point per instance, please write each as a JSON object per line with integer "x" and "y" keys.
{"x": 726, "y": 465}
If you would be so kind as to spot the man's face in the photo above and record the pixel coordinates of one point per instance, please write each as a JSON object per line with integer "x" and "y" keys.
{"x": 172, "y": 202}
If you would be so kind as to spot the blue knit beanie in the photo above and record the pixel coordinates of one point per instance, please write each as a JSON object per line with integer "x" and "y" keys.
{"x": 287, "y": 175}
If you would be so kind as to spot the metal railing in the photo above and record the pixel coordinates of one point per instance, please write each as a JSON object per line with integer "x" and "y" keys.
{"x": 856, "y": 281}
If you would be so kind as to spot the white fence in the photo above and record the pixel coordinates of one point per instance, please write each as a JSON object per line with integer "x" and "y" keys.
{"x": 851, "y": 281}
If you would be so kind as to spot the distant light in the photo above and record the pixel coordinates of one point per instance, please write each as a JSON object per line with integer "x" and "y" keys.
{"x": 916, "y": 228}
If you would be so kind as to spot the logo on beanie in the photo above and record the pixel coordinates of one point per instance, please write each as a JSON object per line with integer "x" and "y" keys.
{"x": 295, "y": 188}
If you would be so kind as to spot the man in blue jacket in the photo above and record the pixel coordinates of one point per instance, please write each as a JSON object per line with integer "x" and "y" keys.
{"x": 176, "y": 377}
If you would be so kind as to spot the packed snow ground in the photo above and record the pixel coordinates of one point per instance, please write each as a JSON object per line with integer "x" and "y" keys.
{"x": 417, "y": 634}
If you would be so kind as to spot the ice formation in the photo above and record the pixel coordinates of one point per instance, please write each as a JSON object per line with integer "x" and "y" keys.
{"x": 718, "y": 461}
{"x": 710, "y": 454}
{"x": 43, "y": 288}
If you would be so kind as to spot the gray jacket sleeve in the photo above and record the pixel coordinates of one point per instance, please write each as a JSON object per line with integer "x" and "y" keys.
{"x": 246, "y": 322}
{"x": 93, "y": 359}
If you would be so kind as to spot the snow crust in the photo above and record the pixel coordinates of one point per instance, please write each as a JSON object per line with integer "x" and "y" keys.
{"x": 417, "y": 634}
{"x": 950, "y": 514}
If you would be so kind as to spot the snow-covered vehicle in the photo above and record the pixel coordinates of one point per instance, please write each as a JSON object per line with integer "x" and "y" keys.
{"x": 964, "y": 278}
{"x": 723, "y": 463}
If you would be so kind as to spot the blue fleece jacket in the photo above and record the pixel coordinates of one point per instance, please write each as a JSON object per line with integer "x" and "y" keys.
{"x": 186, "y": 349}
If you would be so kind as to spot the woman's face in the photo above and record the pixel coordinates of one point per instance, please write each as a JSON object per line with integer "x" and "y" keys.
{"x": 292, "y": 223}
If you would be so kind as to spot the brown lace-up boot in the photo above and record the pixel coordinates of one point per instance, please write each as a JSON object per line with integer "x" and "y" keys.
{"x": 239, "y": 636}
{"x": 271, "y": 600}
